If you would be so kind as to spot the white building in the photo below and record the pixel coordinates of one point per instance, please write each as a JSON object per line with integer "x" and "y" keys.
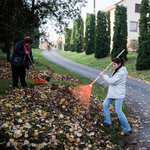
{"x": 133, "y": 15}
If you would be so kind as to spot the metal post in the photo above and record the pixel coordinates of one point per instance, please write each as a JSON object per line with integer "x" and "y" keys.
{"x": 94, "y": 6}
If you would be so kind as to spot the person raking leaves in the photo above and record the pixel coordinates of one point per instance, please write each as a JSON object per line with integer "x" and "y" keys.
{"x": 116, "y": 92}
{"x": 20, "y": 61}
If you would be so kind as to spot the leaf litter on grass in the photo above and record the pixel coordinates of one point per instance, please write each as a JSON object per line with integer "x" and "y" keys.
{"x": 48, "y": 117}
{"x": 6, "y": 73}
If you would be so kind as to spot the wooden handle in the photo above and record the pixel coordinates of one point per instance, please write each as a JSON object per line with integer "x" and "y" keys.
{"x": 108, "y": 66}
{"x": 31, "y": 62}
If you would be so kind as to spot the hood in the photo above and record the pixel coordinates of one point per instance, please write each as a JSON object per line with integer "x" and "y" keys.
{"x": 123, "y": 69}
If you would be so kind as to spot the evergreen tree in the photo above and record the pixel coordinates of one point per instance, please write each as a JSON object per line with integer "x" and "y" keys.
{"x": 143, "y": 58}
{"x": 79, "y": 37}
{"x": 89, "y": 33}
{"x": 120, "y": 32}
{"x": 102, "y": 35}
{"x": 73, "y": 40}
{"x": 67, "y": 39}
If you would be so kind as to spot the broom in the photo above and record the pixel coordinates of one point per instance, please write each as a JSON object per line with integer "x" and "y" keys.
{"x": 37, "y": 80}
{"x": 82, "y": 93}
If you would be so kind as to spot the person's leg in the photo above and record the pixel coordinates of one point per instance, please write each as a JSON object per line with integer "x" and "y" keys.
{"x": 15, "y": 74}
{"x": 22, "y": 76}
{"x": 122, "y": 117}
{"x": 106, "y": 110}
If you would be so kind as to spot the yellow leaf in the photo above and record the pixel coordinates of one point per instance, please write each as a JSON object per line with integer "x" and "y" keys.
{"x": 24, "y": 111}
{"x": 36, "y": 134}
{"x": 38, "y": 147}
{"x": 2, "y": 108}
{"x": 11, "y": 114}
{"x": 71, "y": 148}
{"x": 7, "y": 122}
{"x": 15, "y": 136}
{"x": 75, "y": 109}
{"x": 67, "y": 118}
{"x": 65, "y": 146}
{"x": 8, "y": 105}
{"x": 45, "y": 113}
{"x": 43, "y": 128}
{"x": 72, "y": 136}
{"x": 7, "y": 131}
{"x": 18, "y": 114}
{"x": 62, "y": 99}
{"x": 67, "y": 135}
{"x": 23, "y": 131}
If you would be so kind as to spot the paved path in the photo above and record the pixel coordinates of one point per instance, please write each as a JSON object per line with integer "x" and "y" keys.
{"x": 137, "y": 97}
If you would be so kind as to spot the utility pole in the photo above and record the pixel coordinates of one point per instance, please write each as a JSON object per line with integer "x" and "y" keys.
{"x": 94, "y": 6}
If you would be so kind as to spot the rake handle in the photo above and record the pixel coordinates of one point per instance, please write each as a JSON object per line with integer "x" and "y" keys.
{"x": 107, "y": 67}
{"x": 32, "y": 63}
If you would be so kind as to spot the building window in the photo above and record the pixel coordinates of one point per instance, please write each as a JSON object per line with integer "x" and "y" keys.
{"x": 137, "y": 8}
{"x": 133, "y": 26}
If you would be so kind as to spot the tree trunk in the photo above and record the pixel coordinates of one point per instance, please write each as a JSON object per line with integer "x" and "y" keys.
{"x": 8, "y": 32}
{"x": 32, "y": 18}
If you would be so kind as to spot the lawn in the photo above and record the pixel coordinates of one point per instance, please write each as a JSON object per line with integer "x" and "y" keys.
{"x": 102, "y": 63}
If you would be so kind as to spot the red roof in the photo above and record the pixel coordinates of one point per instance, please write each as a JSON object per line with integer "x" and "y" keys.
{"x": 111, "y": 7}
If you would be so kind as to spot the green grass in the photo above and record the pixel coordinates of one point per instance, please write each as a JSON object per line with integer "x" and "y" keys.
{"x": 102, "y": 63}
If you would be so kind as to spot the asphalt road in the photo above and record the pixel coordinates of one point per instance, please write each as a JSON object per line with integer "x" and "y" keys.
{"x": 137, "y": 93}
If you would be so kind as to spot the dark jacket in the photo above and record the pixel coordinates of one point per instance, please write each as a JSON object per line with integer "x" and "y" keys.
{"x": 19, "y": 55}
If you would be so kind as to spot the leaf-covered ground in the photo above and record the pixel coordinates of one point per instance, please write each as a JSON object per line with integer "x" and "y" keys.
{"x": 6, "y": 73}
{"x": 48, "y": 117}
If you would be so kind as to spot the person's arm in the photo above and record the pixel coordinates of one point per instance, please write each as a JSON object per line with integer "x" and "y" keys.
{"x": 19, "y": 49}
{"x": 113, "y": 80}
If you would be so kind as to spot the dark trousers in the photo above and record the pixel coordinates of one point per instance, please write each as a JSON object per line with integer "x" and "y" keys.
{"x": 16, "y": 72}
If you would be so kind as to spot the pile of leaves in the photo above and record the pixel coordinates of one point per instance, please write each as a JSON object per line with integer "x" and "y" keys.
{"x": 49, "y": 117}
{"x": 6, "y": 73}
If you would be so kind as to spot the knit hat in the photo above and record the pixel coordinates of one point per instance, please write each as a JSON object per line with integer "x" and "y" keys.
{"x": 27, "y": 39}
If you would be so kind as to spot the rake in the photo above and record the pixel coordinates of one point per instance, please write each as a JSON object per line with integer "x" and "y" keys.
{"x": 37, "y": 80}
{"x": 82, "y": 93}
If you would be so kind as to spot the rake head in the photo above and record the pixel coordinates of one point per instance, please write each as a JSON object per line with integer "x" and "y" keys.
{"x": 82, "y": 94}
{"x": 38, "y": 80}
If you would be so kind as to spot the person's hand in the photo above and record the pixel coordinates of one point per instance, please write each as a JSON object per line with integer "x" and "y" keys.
{"x": 33, "y": 65}
{"x": 27, "y": 52}
{"x": 101, "y": 74}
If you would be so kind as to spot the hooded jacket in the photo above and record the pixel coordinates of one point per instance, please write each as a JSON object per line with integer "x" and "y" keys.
{"x": 18, "y": 55}
{"x": 116, "y": 89}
